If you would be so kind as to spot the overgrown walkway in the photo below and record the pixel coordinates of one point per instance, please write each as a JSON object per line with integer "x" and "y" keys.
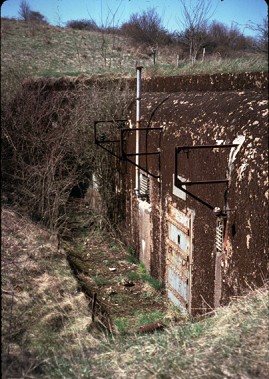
{"x": 122, "y": 296}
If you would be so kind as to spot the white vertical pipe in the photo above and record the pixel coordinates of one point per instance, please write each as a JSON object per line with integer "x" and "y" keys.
{"x": 138, "y": 116}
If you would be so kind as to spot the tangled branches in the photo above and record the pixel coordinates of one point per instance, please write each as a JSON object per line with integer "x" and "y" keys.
{"x": 48, "y": 145}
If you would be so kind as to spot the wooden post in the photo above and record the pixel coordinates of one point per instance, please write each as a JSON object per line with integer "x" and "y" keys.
{"x": 203, "y": 54}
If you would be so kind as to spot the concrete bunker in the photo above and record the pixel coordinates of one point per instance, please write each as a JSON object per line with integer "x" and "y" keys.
{"x": 202, "y": 227}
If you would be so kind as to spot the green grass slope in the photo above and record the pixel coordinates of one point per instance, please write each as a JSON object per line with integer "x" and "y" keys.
{"x": 37, "y": 50}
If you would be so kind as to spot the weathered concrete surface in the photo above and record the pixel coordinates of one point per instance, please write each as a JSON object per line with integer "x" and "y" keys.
{"x": 209, "y": 118}
{"x": 199, "y": 110}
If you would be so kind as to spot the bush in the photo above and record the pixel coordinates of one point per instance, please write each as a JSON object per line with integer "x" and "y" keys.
{"x": 146, "y": 28}
{"x": 48, "y": 147}
{"x": 82, "y": 25}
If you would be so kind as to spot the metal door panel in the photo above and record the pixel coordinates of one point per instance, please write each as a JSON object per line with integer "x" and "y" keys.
{"x": 178, "y": 257}
{"x": 179, "y": 238}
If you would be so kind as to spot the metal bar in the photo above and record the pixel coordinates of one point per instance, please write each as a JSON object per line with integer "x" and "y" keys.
{"x": 130, "y": 155}
{"x": 142, "y": 168}
{"x": 111, "y": 152}
{"x": 138, "y": 116}
{"x": 179, "y": 185}
{"x": 179, "y": 148}
{"x": 189, "y": 183}
{"x": 131, "y": 129}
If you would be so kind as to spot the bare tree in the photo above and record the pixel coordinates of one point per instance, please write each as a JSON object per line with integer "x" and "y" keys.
{"x": 146, "y": 28}
{"x": 27, "y": 14}
{"x": 194, "y": 22}
{"x": 25, "y": 10}
{"x": 262, "y": 34}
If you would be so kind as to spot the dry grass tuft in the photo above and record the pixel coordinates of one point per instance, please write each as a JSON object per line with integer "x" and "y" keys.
{"x": 231, "y": 344}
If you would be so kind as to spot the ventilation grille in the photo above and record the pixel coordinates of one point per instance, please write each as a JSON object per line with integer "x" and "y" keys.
{"x": 144, "y": 186}
{"x": 219, "y": 236}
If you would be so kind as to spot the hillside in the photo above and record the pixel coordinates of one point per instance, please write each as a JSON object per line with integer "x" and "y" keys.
{"x": 49, "y": 278}
{"x": 45, "y": 321}
{"x": 38, "y": 50}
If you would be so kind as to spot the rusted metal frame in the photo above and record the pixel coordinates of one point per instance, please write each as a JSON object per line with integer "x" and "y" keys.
{"x": 179, "y": 184}
{"x": 125, "y": 155}
{"x": 97, "y": 142}
{"x": 190, "y": 183}
{"x": 142, "y": 168}
{"x": 187, "y": 148}
{"x": 192, "y": 195}
{"x": 148, "y": 126}
{"x": 101, "y": 143}
{"x": 110, "y": 152}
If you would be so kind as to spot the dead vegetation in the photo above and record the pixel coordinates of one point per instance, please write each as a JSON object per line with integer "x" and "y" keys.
{"x": 47, "y": 333}
{"x": 48, "y": 146}
{"x": 230, "y": 344}
{"x": 42, "y": 310}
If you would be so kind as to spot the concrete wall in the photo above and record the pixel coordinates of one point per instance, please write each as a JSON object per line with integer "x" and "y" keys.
{"x": 198, "y": 110}
{"x": 206, "y": 117}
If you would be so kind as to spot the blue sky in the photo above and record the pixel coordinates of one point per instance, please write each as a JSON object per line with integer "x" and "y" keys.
{"x": 58, "y": 12}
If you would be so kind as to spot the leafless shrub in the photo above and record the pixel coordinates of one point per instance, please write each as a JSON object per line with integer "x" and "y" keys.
{"x": 262, "y": 34}
{"x": 146, "y": 28}
{"x": 48, "y": 146}
{"x": 82, "y": 25}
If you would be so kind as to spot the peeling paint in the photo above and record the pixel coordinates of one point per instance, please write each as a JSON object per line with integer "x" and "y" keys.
{"x": 210, "y": 118}
{"x": 234, "y": 151}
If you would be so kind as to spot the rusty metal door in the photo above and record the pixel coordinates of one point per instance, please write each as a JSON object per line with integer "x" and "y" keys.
{"x": 179, "y": 257}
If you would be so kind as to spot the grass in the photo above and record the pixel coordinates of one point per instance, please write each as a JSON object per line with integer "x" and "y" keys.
{"x": 43, "y": 314}
{"x": 122, "y": 324}
{"x": 131, "y": 258}
{"x": 142, "y": 274}
{"x": 230, "y": 344}
{"x": 45, "y": 325}
{"x": 148, "y": 318}
{"x": 49, "y": 51}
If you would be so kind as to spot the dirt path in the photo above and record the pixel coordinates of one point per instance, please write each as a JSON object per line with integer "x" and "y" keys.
{"x": 126, "y": 296}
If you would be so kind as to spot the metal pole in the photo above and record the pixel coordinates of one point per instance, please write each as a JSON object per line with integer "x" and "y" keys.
{"x": 138, "y": 117}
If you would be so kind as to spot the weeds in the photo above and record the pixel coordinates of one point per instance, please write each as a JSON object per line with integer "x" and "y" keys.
{"x": 101, "y": 281}
{"x": 220, "y": 346}
{"x": 45, "y": 325}
{"x": 122, "y": 325}
{"x": 150, "y": 317}
{"x": 131, "y": 256}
